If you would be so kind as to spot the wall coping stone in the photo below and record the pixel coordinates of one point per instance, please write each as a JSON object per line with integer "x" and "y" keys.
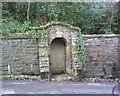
{"x": 101, "y": 36}
{"x": 26, "y": 36}
{"x": 17, "y": 36}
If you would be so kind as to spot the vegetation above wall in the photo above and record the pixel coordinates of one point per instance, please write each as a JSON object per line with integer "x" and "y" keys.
{"x": 56, "y": 23}
{"x": 92, "y": 18}
{"x": 33, "y": 31}
{"x": 15, "y": 27}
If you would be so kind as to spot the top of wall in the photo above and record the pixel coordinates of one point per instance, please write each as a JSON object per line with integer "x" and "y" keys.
{"x": 26, "y": 36}
{"x": 101, "y": 36}
{"x": 16, "y": 36}
{"x": 56, "y": 23}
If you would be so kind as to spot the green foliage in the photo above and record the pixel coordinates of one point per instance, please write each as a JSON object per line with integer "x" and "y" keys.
{"x": 79, "y": 44}
{"x": 12, "y": 26}
{"x": 81, "y": 50}
{"x": 92, "y": 18}
{"x": 118, "y": 16}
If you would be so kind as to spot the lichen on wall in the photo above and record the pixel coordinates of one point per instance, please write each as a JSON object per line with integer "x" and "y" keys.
{"x": 28, "y": 55}
{"x": 19, "y": 56}
{"x": 102, "y": 55}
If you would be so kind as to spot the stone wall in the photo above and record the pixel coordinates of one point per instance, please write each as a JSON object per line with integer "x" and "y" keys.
{"x": 70, "y": 36}
{"x": 102, "y": 55}
{"x": 20, "y": 56}
{"x": 119, "y": 54}
{"x": 27, "y": 55}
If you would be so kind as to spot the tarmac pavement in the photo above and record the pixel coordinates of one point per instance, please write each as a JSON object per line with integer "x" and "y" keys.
{"x": 62, "y": 87}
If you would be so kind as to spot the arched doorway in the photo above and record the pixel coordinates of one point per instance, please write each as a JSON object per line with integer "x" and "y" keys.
{"x": 58, "y": 56}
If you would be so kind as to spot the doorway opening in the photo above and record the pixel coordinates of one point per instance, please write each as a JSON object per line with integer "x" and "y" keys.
{"x": 58, "y": 56}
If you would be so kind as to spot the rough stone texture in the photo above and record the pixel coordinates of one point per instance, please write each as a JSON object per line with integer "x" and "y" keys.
{"x": 69, "y": 35}
{"x": 0, "y": 55}
{"x": 24, "y": 55}
{"x": 20, "y": 56}
{"x": 102, "y": 55}
{"x": 119, "y": 54}
{"x": 43, "y": 53}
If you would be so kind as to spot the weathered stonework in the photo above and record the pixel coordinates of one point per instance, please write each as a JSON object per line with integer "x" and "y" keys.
{"x": 69, "y": 36}
{"x": 20, "y": 56}
{"x": 25, "y": 55}
{"x": 102, "y": 55}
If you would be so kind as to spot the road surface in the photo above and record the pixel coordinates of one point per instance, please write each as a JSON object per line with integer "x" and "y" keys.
{"x": 50, "y": 87}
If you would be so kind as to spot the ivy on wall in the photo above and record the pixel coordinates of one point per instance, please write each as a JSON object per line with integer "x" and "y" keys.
{"x": 81, "y": 50}
{"x": 79, "y": 44}
{"x": 43, "y": 34}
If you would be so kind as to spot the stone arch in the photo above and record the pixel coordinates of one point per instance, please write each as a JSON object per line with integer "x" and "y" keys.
{"x": 60, "y": 31}
{"x": 71, "y": 36}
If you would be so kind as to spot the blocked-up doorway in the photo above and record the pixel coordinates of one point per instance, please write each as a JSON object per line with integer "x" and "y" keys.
{"x": 58, "y": 56}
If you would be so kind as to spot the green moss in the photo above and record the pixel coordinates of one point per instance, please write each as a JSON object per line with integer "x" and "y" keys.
{"x": 7, "y": 76}
{"x": 56, "y": 23}
{"x": 35, "y": 33}
{"x": 81, "y": 50}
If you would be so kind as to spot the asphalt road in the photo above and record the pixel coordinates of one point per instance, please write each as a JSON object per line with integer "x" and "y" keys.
{"x": 47, "y": 87}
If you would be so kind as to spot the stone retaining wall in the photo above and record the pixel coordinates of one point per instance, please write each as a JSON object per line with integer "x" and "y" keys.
{"x": 102, "y": 55}
{"x": 21, "y": 55}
